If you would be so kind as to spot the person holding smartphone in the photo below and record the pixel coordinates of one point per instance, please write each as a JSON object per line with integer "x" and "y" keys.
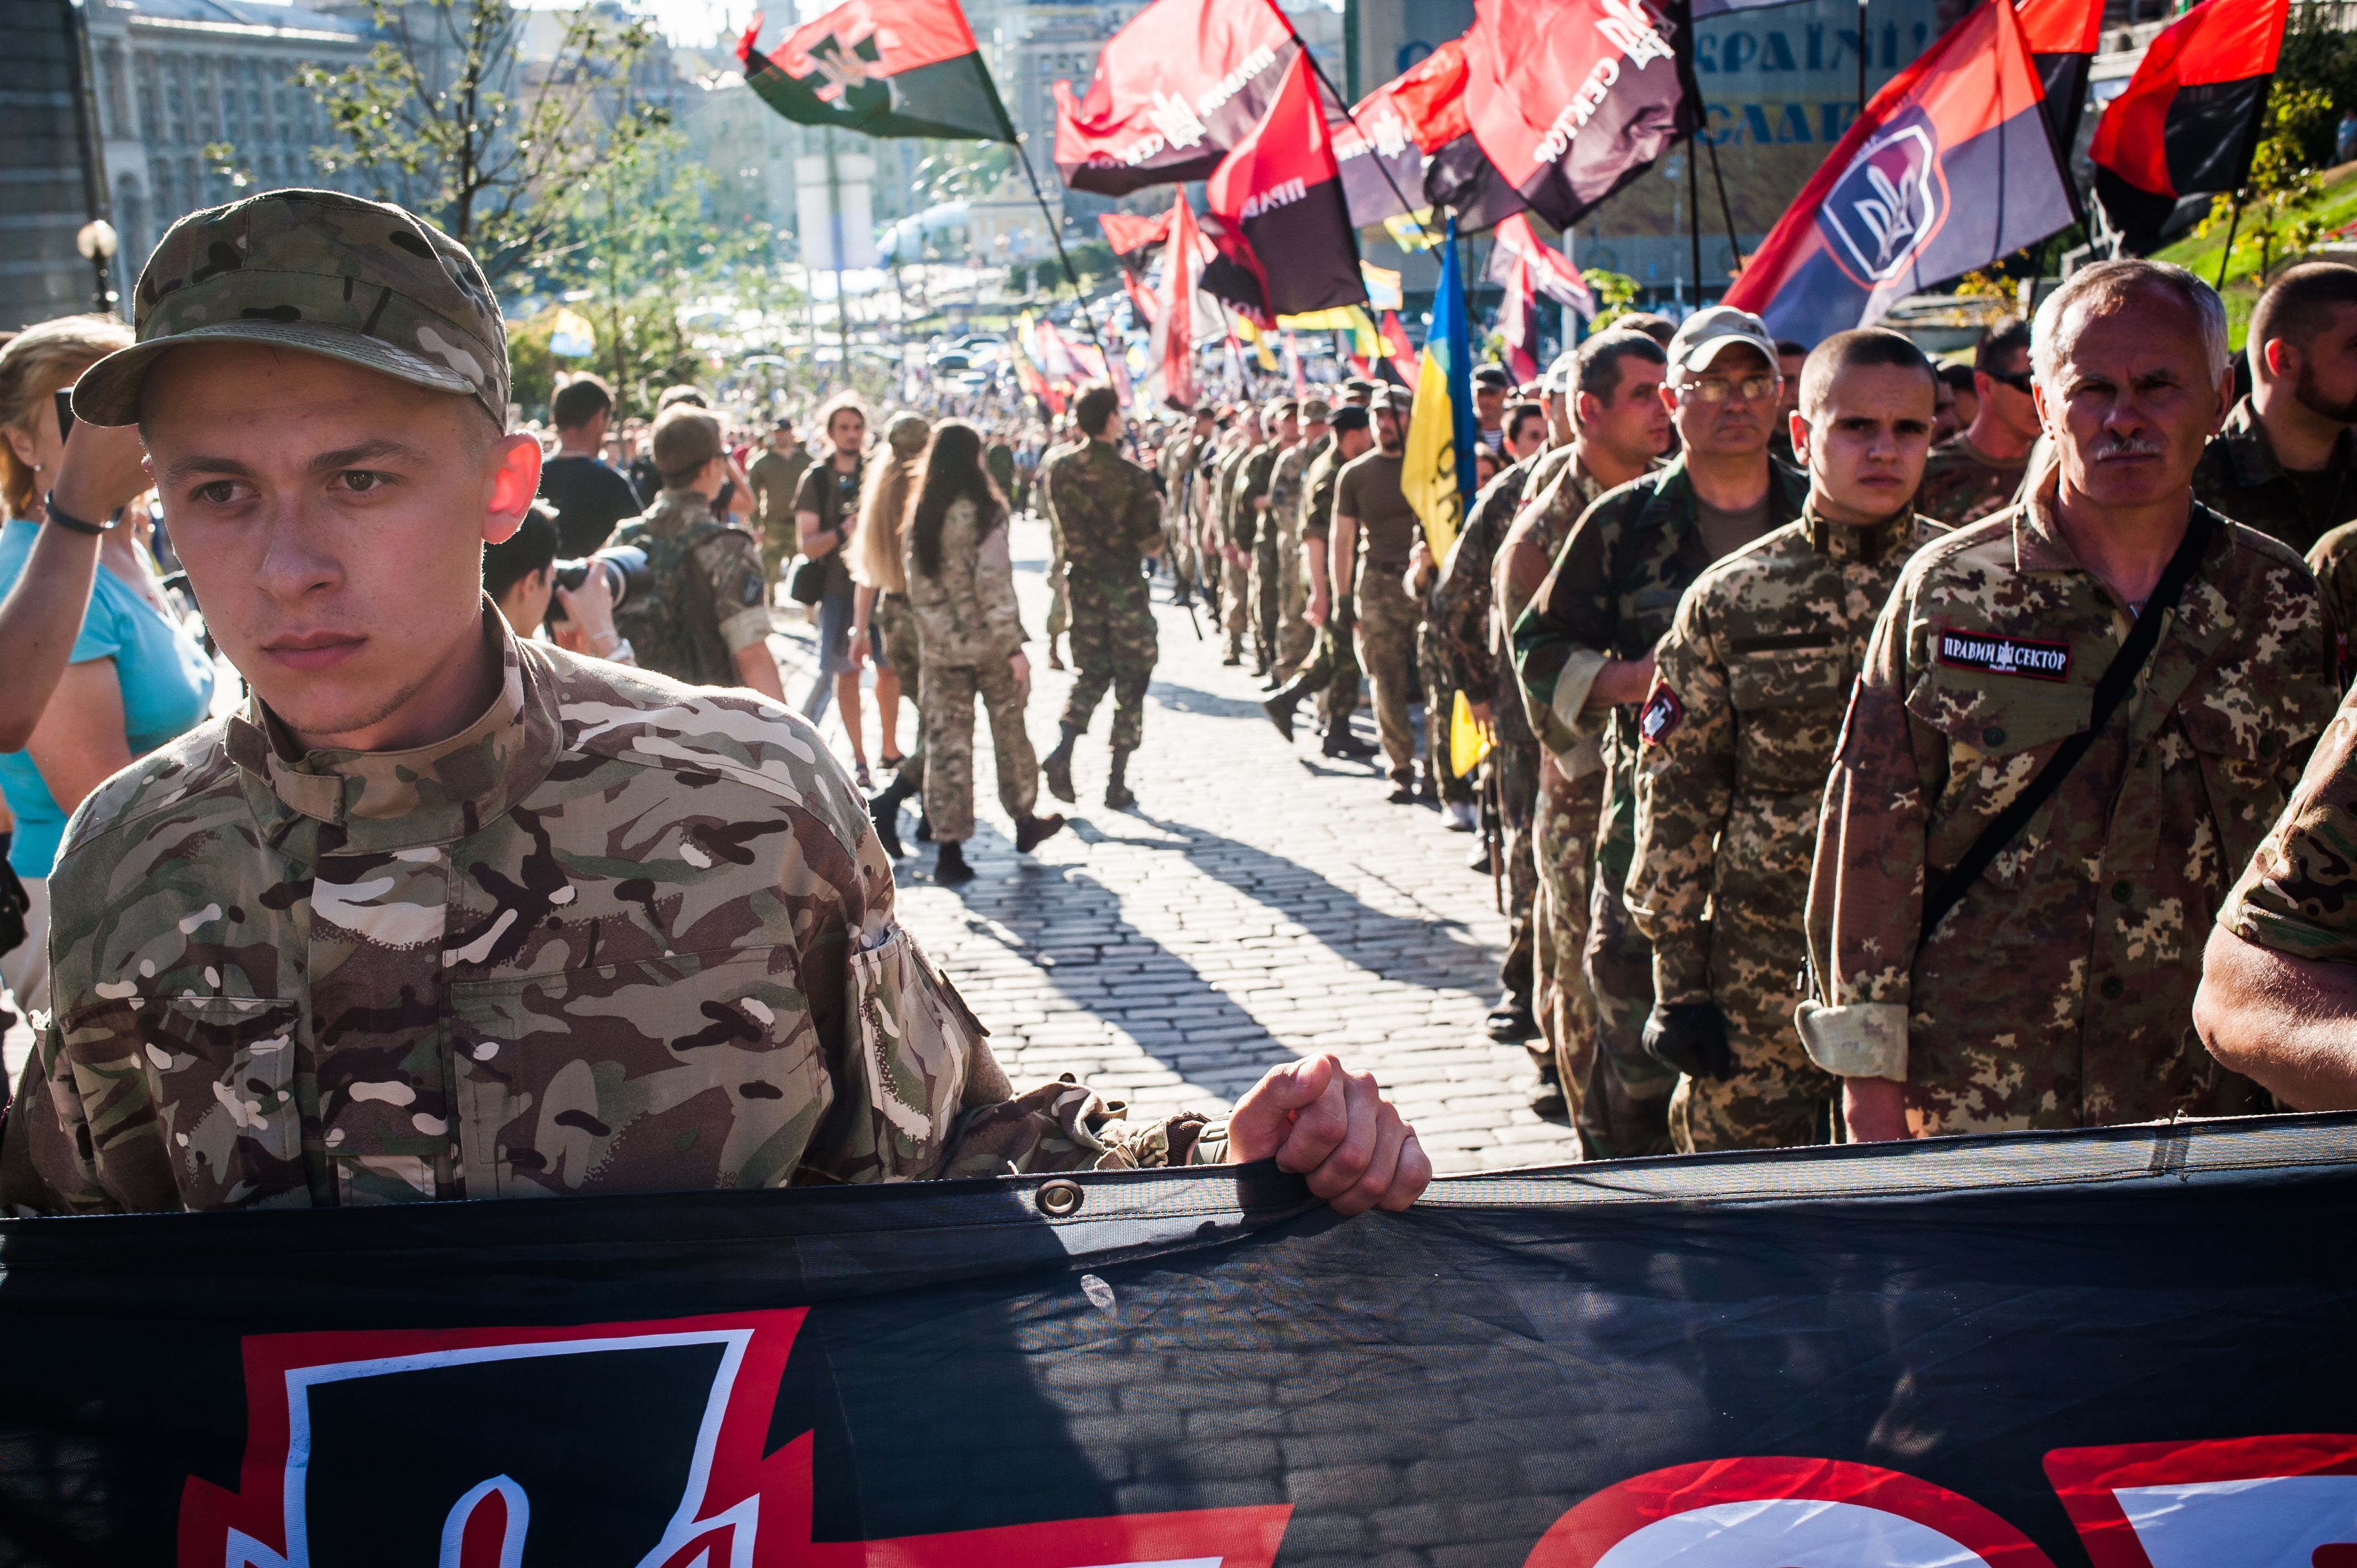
{"x": 128, "y": 674}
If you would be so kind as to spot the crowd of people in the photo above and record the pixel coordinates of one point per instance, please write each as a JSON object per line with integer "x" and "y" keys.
{"x": 1875, "y": 748}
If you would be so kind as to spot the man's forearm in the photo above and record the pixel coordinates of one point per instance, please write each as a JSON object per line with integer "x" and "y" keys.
{"x": 808, "y": 535}
{"x": 1342, "y": 554}
{"x": 2289, "y": 1024}
{"x": 1622, "y": 681}
{"x": 39, "y": 621}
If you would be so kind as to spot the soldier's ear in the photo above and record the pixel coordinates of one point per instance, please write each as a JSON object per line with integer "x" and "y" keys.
{"x": 514, "y": 480}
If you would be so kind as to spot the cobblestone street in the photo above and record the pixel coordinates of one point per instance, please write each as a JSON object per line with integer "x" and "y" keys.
{"x": 1261, "y": 903}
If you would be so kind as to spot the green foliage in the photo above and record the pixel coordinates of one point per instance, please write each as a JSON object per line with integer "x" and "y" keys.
{"x": 961, "y": 171}
{"x": 1615, "y": 295}
{"x": 440, "y": 119}
{"x": 2318, "y": 56}
{"x": 2269, "y": 217}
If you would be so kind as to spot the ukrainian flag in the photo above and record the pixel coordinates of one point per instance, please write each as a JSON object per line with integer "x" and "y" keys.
{"x": 1438, "y": 476}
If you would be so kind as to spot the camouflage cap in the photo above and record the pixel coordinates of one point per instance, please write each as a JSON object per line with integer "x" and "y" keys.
{"x": 318, "y": 271}
{"x": 1315, "y": 410}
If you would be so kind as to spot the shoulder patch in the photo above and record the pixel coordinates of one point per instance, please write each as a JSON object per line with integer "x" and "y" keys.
{"x": 1995, "y": 654}
{"x": 1660, "y": 715}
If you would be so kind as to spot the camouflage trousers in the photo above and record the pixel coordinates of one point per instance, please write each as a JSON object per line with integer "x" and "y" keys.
{"x": 1624, "y": 1111}
{"x": 1178, "y": 549}
{"x": 1265, "y": 594}
{"x": 1113, "y": 645}
{"x": 1059, "y": 603}
{"x": 1563, "y": 852}
{"x": 1439, "y": 714}
{"x": 1514, "y": 766}
{"x": 1295, "y": 635}
{"x": 1776, "y": 1098}
{"x": 1331, "y": 675}
{"x": 1236, "y": 603}
{"x": 896, "y": 623}
{"x": 1387, "y": 620}
{"x": 948, "y": 709}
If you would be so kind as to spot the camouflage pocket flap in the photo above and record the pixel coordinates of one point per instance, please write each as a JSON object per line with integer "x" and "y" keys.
{"x": 2248, "y": 732}
{"x": 1998, "y": 715}
{"x": 915, "y": 1043}
{"x": 214, "y": 1077}
{"x": 1789, "y": 677}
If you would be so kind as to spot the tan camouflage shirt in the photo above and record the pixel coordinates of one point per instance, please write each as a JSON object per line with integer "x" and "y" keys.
{"x": 1750, "y": 685}
{"x": 620, "y": 935}
{"x": 1960, "y": 486}
{"x": 2298, "y": 895}
{"x": 2058, "y": 992}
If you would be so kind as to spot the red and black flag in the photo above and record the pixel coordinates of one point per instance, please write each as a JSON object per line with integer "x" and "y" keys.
{"x": 1174, "y": 91}
{"x": 1950, "y": 167}
{"x": 1377, "y": 148}
{"x": 2190, "y": 121}
{"x": 886, "y": 68}
{"x": 1568, "y": 100}
{"x": 1278, "y": 198}
{"x": 2061, "y": 36}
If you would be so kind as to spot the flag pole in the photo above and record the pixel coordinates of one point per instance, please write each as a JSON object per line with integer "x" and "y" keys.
{"x": 1691, "y": 91}
{"x": 1725, "y": 211}
{"x": 1080, "y": 299}
{"x": 1349, "y": 114}
{"x": 2227, "y": 255}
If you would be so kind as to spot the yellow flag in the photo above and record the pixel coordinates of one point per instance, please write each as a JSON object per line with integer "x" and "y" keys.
{"x": 1469, "y": 740}
{"x": 1429, "y": 476}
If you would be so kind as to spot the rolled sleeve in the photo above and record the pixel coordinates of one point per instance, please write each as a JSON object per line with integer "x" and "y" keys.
{"x": 2298, "y": 895}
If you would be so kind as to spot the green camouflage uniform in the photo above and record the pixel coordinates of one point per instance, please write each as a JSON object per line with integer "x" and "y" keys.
{"x": 1060, "y": 604}
{"x": 1111, "y": 519}
{"x": 1384, "y": 615}
{"x": 1176, "y": 466}
{"x": 1294, "y": 635}
{"x": 1735, "y": 742}
{"x": 1236, "y": 581}
{"x": 1611, "y": 595}
{"x": 709, "y": 599}
{"x": 2058, "y": 992}
{"x": 1262, "y": 524}
{"x": 2241, "y": 478}
{"x": 619, "y": 935}
{"x": 1570, "y": 801}
{"x": 967, "y": 629}
{"x": 1332, "y": 672}
{"x": 2334, "y": 562}
{"x": 1247, "y": 483}
{"x": 1960, "y": 486}
{"x": 2295, "y": 895}
{"x": 775, "y": 476}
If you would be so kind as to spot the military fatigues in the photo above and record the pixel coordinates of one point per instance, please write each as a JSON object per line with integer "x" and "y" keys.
{"x": 619, "y": 935}
{"x": 1611, "y": 595}
{"x": 2294, "y": 897}
{"x": 2241, "y": 478}
{"x": 1258, "y": 531}
{"x": 1235, "y": 580}
{"x": 967, "y": 629}
{"x": 709, "y": 598}
{"x": 775, "y": 476}
{"x": 1734, "y": 745}
{"x": 1569, "y": 804}
{"x": 1960, "y": 486}
{"x": 1367, "y": 488}
{"x": 1332, "y": 672}
{"x": 1176, "y": 464}
{"x": 2058, "y": 992}
{"x": 1111, "y": 519}
{"x": 2334, "y": 562}
{"x": 1294, "y": 635}
{"x": 1060, "y": 604}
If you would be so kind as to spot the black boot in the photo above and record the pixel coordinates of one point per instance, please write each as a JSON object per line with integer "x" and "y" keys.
{"x": 885, "y": 806}
{"x": 950, "y": 868}
{"x": 1058, "y": 765}
{"x": 1117, "y": 796}
{"x": 1341, "y": 742}
{"x": 924, "y": 833}
{"x": 1279, "y": 709}
{"x": 1511, "y": 1021}
{"x": 1032, "y": 830}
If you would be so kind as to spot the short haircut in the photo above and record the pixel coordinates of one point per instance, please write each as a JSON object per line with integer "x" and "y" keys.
{"x": 579, "y": 401}
{"x": 1851, "y": 351}
{"x": 693, "y": 396}
{"x": 1787, "y": 349}
{"x": 2299, "y": 304}
{"x": 686, "y": 438}
{"x": 1519, "y": 413}
{"x": 1600, "y": 357}
{"x": 531, "y": 548}
{"x": 1095, "y": 408}
{"x": 1958, "y": 377}
{"x": 836, "y": 404}
{"x": 2000, "y": 343}
{"x": 2110, "y": 282}
{"x": 1660, "y": 329}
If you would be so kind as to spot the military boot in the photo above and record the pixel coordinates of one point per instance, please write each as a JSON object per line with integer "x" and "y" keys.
{"x": 1055, "y": 659}
{"x": 950, "y": 868}
{"x": 1117, "y": 796}
{"x": 1279, "y": 709}
{"x": 1058, "y": 765}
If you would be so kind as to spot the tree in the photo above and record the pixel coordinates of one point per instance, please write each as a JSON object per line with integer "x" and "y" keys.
{"x": 2267, "y": 214}
{"x": 446, "y": 118}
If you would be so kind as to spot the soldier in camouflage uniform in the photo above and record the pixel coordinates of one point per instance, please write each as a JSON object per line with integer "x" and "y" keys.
{"x": 1066, "y": 438}
{"x": 1179, "y": 457}
{"x": 1294, "y": 635}
{"x": 775, "y": 476}
{"x": 581, "y": 928}
{"x": 707, "y": 608}
{"x": 1332, "y": 673}
{"x": 1613, "y": 381}
{"x": 1584, "y": 647}
{"x": 1736, "y": 740}
{"x": 1236, "y": 445}
{"x": 1977, "y": 471}
{"x": 2286, "y": 463}
{"x": 2057, "y": 991}
{"x": 1259, "y": 519}
{"x": 1112, "y": 524}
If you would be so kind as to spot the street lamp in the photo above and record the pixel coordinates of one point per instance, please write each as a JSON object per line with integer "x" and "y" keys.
{"x": 97, "y": 241}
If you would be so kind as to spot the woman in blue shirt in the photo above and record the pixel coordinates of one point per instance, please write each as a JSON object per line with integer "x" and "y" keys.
{"x": 137, "y": 676}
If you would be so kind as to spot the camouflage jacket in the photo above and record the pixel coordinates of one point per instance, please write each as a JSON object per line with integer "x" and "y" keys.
{"x": 965, "y": 615}
{"x": 1738, "y": 732}
{"x": 1286, "y": 486}
{"x": 1218, "y": 521}
{"x": 1559, "y": 491}
{"x": 2334, "y": 562}
{"x": 1249, "y": 486}
{"x": 2058, "y": 992}
{"x": 1612, "y": 594}
{"x": 2295, "y": 895}
{"x": 709, "y": 598}
{"x": 2241, "y": 478}
{"x": 1107, "y": 510}
{"x": 1960, "y": 486}
{"x": 1176, "y": 463}
{"x": 619, "y": 935}
{"x": 775, "y": 476}
{"x": 1318, "y": 481}
{"x": 1464, "y": 596}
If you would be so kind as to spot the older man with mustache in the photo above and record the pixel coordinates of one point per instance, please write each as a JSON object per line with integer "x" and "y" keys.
{"x": 2075, "y": 720}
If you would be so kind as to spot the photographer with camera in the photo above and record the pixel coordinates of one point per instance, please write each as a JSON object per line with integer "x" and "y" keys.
{"x": 575, "y": 599}
{"x": 705, "y": 618}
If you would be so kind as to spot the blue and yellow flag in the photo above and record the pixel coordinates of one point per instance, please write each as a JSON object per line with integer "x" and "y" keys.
{"x": 1437, "y": 475}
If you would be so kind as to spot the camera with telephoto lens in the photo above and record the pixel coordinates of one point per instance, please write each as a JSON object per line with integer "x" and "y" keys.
{"x": 627, "y": 574}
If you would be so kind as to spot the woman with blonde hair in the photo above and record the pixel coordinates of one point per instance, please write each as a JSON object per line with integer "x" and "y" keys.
{"x": 136, "y": 676}
{"x": 970, "y": 637}
{"x": 882, "y": 602}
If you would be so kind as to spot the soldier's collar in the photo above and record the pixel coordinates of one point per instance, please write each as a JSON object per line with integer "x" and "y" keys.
{"x": 1840, "y": 538}
{"x": 387, "y": 800}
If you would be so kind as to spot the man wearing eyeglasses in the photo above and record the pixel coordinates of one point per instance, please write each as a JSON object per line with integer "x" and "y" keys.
{"x": 1584, "y": 648}
{"x": 1978, "y": 470}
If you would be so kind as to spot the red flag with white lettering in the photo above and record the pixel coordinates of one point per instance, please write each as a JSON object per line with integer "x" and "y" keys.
{"x": 1175, "y": 90}
{"x": 1279, "y": 196}
{"x": 1172, "y": 346}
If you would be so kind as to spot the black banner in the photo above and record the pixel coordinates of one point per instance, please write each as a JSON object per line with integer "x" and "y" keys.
{"x": 2123, "y": 1347}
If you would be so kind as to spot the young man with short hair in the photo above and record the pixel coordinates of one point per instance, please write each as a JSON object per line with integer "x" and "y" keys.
{"x": 704, "y": 618}
{"x": 1375, "y": 531}
{"x": 590, "y": 499}
{"x": 445, "y": 914}
{"x": 2285, "y": 461}
{"x": 1977, "y": 471}
{"x": 775, "y": 476}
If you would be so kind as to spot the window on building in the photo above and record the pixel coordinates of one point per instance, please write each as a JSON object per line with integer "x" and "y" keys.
{"x": 131, "y": 224}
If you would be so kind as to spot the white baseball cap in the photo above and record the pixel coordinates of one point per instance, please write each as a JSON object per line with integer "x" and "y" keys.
{"x": 1702, "y": 335}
